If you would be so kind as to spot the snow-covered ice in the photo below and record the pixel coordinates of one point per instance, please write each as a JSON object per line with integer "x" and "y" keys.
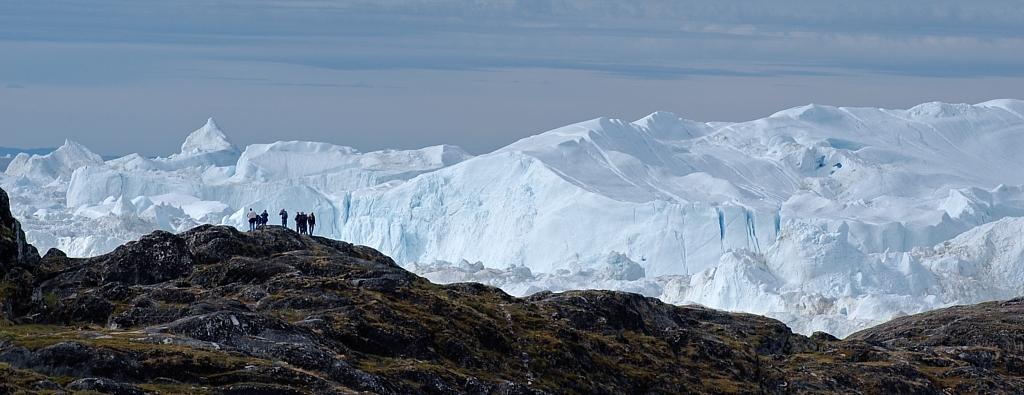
{"x": 829, "y": 218}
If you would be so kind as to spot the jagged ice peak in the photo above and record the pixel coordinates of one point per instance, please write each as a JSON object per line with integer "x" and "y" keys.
{"x": 208, "y": 138}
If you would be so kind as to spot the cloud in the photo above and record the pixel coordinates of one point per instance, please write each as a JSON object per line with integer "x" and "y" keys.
{"x": 659, "y": 39}
{"x": 358, "y": 85}
{"x": 534, "y": 64}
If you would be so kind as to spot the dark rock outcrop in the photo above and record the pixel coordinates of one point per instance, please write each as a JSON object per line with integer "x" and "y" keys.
{"x": 215, "y": 310}
{"x": 14, "y": 249}
{"x": 104, "y": 386}
{"x": 17, "y": 259}
{"x": 155, "y": 258}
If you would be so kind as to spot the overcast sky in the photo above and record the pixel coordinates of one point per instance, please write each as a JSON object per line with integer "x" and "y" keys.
{"x": 137, "y": 76}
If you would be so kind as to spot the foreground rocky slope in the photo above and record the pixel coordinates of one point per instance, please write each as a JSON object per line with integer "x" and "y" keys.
{"x": 214, "y": 310}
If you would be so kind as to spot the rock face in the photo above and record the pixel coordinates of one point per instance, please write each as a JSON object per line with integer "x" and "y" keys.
{"x": 215, "y": 310}
{"x": 14, "y": 250}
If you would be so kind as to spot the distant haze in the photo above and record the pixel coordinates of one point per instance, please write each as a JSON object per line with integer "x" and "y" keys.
{"x": 137, "y": 76}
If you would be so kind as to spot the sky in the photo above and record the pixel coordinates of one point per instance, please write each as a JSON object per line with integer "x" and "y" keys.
{"x": 124, "y": 76}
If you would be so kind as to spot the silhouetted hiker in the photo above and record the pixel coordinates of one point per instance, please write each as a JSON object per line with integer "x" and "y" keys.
{"x": 252, "y": 220}
{"x": 284, "y": 218}
{"x": 264, "y": 219}
{"x": 300, "y": 222}
{"x": 311, "y": 220}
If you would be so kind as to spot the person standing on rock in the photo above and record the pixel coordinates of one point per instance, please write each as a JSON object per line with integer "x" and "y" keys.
{"x": 252, "y": 220}
{"x": 264, "y": 219}
{"x": 284, "y": 218}
{"x": 300, "y": 222}
{"x": 311, "y": 220}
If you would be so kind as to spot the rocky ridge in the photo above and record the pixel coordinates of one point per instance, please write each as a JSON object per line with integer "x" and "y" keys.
{"x": 215, "y": 310}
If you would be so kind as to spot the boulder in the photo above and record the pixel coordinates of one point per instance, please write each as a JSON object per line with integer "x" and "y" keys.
{"x": 104, "y": 386}
{"x": 157, "y": 257}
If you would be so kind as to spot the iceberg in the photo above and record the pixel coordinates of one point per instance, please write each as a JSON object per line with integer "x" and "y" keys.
{"x": 829, "y": 218}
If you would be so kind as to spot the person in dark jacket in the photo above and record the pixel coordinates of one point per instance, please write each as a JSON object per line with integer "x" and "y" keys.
{"x": 311, "y": 220}
{"x": 284, "y": 218}
{"x": 300, "y": 222}
{"x": 264, "y": 219}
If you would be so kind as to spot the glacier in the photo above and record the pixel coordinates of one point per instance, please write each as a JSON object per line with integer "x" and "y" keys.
{"x": 828, "y": 218}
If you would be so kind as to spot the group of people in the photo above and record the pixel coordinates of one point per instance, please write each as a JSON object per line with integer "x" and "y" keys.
{"x": 304, "y": 223}
{"x": 257, "y": 221}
